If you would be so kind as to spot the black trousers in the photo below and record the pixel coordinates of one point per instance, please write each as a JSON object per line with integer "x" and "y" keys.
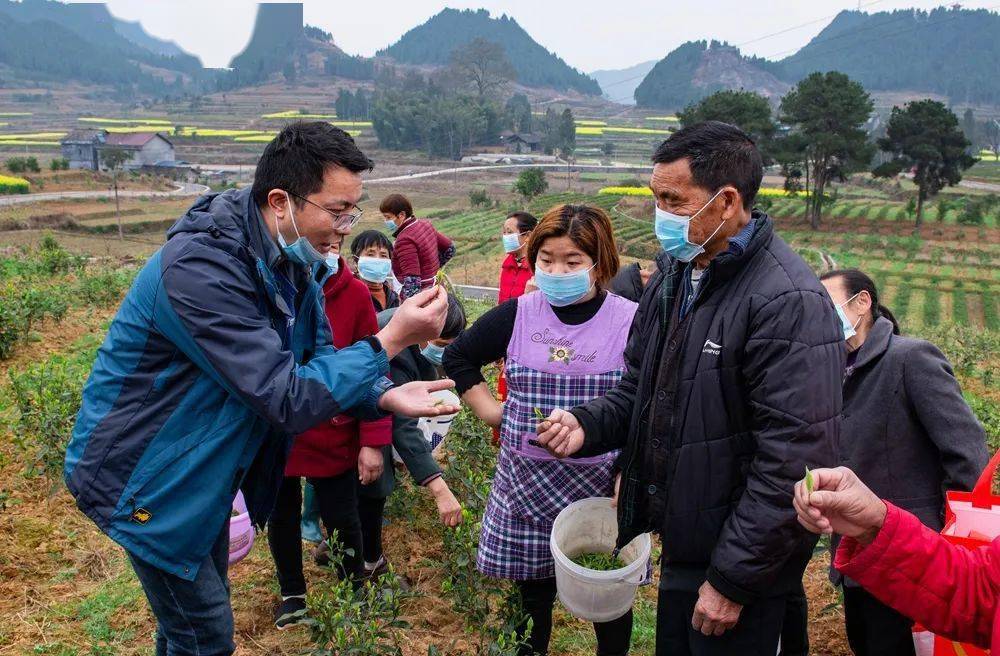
{"x": 795, "y": 629}
{"x": 337, "y": 499}
{"x": 537, "y": 600}
{"x": 756, "y": 633}
{"x": 371, "y": 512}
{"x": 874, "y": 628}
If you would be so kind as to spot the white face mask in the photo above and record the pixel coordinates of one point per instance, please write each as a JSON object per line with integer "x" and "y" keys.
{"x": 850, "y": 329}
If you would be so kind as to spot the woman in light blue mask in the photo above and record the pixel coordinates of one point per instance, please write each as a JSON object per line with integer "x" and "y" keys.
{"x": 372, "y": 255}
{"x": 906, "y": 431}
{"x": 562, "y": 345}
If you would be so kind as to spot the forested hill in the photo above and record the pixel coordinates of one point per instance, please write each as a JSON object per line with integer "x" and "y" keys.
{"x": 952, "y": 52}
{"x": 433, "y": 42}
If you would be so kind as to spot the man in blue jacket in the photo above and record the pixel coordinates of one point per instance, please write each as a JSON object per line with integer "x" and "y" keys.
{"x": 219, "y": 355}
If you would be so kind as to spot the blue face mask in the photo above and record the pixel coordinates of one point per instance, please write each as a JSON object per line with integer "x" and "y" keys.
{"x": 672, "y": 232}
{"x": 850, "y": 329}
{"x": 391, "y": 225}
{"x": 374, "y": 269}
{"x": 433, "y": 353}
{"x": 511, "y": 242}
{"x": 301, "y": 251}
{"x": 563, "y": 289}
{"x": 332, "y": 262}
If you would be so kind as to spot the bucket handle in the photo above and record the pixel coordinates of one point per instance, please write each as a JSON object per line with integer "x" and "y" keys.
{"x": 982, "y": 494}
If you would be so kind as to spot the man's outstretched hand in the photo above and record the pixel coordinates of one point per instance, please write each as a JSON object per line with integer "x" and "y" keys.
{"x": 560, "y": 433}
{"x": 415, "y": 400}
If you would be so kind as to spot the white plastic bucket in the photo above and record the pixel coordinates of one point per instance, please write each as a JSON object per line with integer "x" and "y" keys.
{"x": 435, "y": 428}
{"x": 591, "y": 526}
{"x": 241, "y": 531}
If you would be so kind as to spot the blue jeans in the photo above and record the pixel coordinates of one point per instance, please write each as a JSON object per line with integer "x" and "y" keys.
{"x": 192, "y": 617}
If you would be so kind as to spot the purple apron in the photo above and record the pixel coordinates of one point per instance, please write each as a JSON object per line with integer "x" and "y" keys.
{"x": 549, "y": 365}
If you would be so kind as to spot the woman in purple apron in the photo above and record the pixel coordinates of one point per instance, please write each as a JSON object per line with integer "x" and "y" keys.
{"x": 563, "y": 346}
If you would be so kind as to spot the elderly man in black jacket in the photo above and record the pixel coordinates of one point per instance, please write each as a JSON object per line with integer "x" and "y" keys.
{"x": 733, "y": 388}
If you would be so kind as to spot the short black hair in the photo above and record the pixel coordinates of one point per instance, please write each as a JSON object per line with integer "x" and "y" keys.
{"x": 720, "y": 154}
{"x": 526, "y": 221}
{"x": 395, "y": 204}
{"x": 299, "y": 156}
{"x": 454, "y": 321}
{"x": 370, "y": 238}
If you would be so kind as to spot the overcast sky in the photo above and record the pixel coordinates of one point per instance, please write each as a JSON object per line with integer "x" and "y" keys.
{"x": 588, "y": 35}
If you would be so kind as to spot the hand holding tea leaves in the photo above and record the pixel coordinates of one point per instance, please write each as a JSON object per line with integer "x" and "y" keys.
{"x": 836, "y": 501}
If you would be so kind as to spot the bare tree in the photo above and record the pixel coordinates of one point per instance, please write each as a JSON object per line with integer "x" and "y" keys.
{"x": 484, "y": 65}
{"x": 113, "y": 159}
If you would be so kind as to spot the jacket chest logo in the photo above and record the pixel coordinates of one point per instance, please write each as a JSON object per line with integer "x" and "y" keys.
{"x": 141, "y": 515}
{"x": 711, "y": 348}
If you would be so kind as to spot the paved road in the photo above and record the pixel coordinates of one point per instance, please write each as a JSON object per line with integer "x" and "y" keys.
{"x": 477, "y": 293}
{"x": 185, "y": 189}
{"x": 467, "y": 169}
{"x": 489, "y": 167}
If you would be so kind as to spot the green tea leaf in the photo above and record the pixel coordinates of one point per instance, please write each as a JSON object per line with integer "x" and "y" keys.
{"x": 538, "y": 413}
{"x": 809, "y": 481}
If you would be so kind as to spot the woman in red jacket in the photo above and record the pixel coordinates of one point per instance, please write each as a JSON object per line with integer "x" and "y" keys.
{"x": 949, "y": 589}
{"x": 333, "y": 457}
{"x": 515, "y": 272}
{"x": 420, "y": 250}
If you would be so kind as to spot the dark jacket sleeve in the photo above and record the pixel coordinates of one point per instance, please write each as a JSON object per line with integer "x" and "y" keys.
{"x": 605, "y": 420}
{"x": 208, "y": 306}
{"x": 937, "y": 400}
{"x": 628, "y": 283}
{"x": 485, "y": 341}
{"x": 407, "y": 437}
{"x": 793, "y": 364}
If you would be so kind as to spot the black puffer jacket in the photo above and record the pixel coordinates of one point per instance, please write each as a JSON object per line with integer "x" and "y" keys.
{"x": 758, "y": 399}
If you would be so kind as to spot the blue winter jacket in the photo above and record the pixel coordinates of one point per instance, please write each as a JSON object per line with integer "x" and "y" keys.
{"x": 205, "y": 375}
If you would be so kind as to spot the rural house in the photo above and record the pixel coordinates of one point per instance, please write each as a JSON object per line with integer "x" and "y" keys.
{"x": 83, "y": 148}
{"x": 521, "y": 142}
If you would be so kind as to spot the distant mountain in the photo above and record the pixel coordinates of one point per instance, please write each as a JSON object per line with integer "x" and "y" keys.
{"x": 134, "y": 32}
{"x": 953, "y": 52}
{"x": 93, "y": 23}
{"x": 619, "y": 84}
{"x": 697, "y": 69}
{"x": 277, "y": 33}
{"x": 434, "y": 41}
{"x": 42, "y": 40}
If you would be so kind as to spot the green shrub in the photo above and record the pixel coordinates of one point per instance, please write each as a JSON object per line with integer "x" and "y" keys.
{"x": 479, "y": 198}
{"x": 366, "y": 620}
{"x": 47, "y": 396}
{"x": 105, "y": 288}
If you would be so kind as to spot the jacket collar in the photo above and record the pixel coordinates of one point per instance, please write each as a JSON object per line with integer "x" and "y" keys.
{"x": 260, "y": 237}
{"x": 728, "y": 263}
{"x": 406, "y": 224}
{"x": 876, "y": 343}
{"x": 511, "y": 262}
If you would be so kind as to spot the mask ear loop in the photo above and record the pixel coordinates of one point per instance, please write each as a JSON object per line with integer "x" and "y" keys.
{"x": 717, "y": 228}
{"x": 291, "y": 214}
{"x": 841, "y": 306}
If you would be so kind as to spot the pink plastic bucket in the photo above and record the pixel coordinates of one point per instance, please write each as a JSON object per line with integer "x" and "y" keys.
{"x": 240, "y": 531}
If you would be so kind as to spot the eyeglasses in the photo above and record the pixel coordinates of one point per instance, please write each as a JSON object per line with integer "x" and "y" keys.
{"x": 341, "y": 220}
